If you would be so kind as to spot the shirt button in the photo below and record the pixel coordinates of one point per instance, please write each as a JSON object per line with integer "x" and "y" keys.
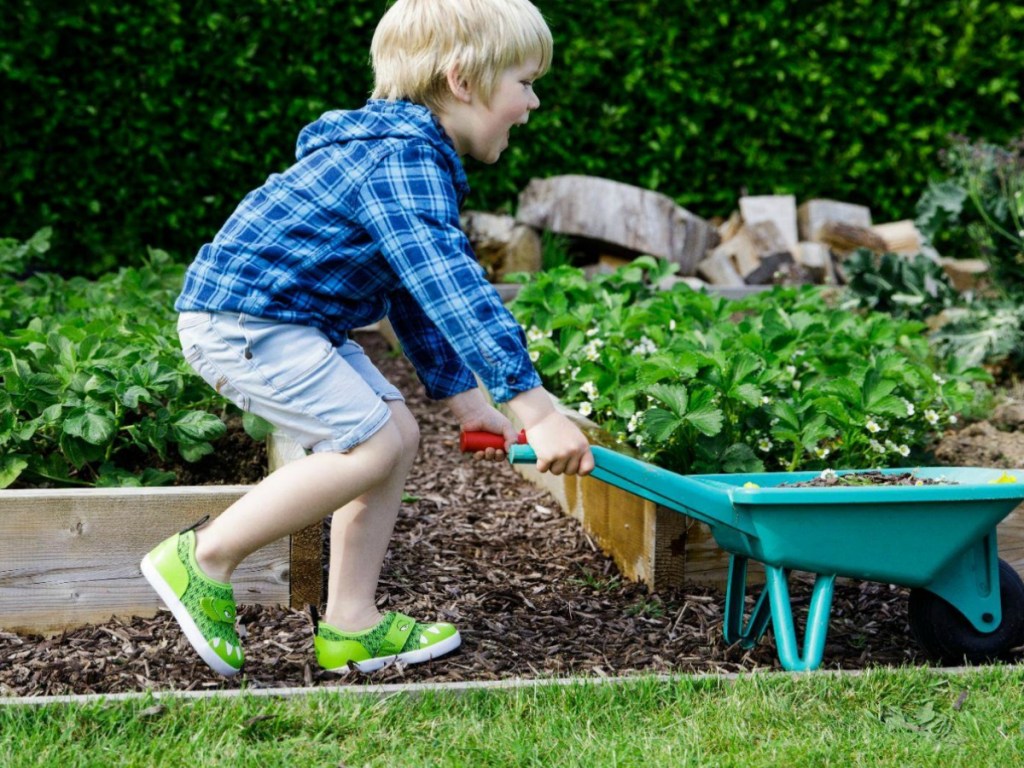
{"x": 511, "y": 379}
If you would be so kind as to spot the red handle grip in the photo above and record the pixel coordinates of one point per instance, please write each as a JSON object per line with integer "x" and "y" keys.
{"x": 471, "y": 442}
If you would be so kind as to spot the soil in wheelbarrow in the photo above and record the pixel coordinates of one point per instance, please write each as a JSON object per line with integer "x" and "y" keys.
{"x": 531, "y": 593}
{"x": 868, "y": 478}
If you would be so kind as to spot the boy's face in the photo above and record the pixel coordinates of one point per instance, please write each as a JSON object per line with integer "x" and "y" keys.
{"x": 481, "y": 131}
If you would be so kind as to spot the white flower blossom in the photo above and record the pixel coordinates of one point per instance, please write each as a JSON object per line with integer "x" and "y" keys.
{"x": 822, "y": 452}
{"x": 764, "y": 444}
{"x": 585, "y": 409}
{"x": 765, "y": 400}
{"x": 797, "y": 383}
{"x": 591, "y": 350}
{"x": 535, "y": 334}
{"x": 931, "y": 417}
{"x": 671, "y": 325}
{"x": 877, "y": 447}
{"x": 590, "y": 390}
{"x": 827, "y": 474}
{"x": 873, "y": 427}
{"x": 910, "y": 407}
{"x": 592, "y": 331}
{"x": 938, "y": 379}
{"x": 534, "y": 355}
{"x": 791, "y": 370}
{"x": 634, "y": 422}
{"x": 952, "y": 418}
{"x": 645, "y": 346}
{"x": 903, "y": 450}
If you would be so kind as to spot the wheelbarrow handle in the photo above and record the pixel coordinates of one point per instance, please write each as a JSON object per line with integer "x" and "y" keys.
{"x": 471, "y": 442}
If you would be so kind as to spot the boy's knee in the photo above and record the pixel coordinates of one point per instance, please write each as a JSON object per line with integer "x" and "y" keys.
{"x": 408, "y": 428}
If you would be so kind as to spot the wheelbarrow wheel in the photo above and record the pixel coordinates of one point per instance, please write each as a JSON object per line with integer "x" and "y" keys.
{"x": 948, "y": 636}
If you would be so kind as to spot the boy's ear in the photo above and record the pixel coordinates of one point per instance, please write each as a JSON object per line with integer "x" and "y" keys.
{"x": 458, "y": 85}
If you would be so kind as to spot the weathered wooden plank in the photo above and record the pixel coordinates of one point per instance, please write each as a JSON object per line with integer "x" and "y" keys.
{"x": 71, "y": 557}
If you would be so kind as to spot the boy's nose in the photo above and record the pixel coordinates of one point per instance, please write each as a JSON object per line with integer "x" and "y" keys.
{"x": 534, "y": 101}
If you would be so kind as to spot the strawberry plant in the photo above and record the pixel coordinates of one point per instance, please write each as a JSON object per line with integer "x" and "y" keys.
{"x": 778, "y": 380}
{"x": 92, "y": 374}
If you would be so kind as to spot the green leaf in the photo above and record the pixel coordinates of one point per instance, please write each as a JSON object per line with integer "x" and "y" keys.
{"x": 660, "y": 424}
{"x": 196, "y": 426}
{"x": 747, "y": 393}
{"x": 673, "y": 396}
{"x": 740, "y": 457}
{"x": 256, "y": 427}
{"x": 194, "y": 451}
{"x": 92, "y": 424}
{"x": 11, "y": 468}
{"x": 133, "y": 395}
{"x": 704, "y": 415}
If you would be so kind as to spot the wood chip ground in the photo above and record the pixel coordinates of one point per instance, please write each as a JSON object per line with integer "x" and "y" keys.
{"x": 531, "y": 593}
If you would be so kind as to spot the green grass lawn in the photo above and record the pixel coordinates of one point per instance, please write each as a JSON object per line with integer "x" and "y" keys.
{"x": 900, "y": 718}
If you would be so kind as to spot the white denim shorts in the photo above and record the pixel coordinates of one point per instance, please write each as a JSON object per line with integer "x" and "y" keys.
{"x": 326, "y": 398}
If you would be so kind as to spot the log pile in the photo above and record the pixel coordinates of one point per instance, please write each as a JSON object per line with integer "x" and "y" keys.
{"x": 768, "y": 240}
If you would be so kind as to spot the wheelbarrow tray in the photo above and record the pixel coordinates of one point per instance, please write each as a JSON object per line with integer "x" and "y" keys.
{"x": 903, "y": 535}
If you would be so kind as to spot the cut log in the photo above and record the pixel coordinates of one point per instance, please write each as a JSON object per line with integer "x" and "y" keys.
{"x": 815, "y": 214}
{"x": 816, "y": 259}
{"x": 778, "y": 209}
{"x": 639, "y": 220}
{"x": 756, "y": 252}
{"x": 718, "y": 269}
{"x": 966, "y": 274}
{"x": 900, "y": 237}
{"x": 730, "y": 227}
{"x": 501, "y": 245}
{"x": 845, "y": 238}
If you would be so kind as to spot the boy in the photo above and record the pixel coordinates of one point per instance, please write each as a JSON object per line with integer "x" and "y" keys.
{"x": 365, "y": 224}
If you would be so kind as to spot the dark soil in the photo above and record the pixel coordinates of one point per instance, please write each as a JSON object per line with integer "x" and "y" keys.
{"x": 481, "y": 547}
{"x": 861, "y": 479}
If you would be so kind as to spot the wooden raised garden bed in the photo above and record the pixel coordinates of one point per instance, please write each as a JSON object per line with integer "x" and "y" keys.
{"x": 70, "y": 557}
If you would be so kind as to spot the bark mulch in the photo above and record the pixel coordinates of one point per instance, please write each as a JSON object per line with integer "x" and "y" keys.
{"x": 480, "y": 547}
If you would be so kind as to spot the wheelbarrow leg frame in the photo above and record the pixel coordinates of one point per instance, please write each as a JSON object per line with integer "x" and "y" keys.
{"x": 774, "y": 603}
{"x": 970, "y": 583}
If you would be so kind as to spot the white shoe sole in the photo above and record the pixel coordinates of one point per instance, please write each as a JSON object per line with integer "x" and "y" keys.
{"x": 447, "y": 645}
{"x": 185, "y": 621}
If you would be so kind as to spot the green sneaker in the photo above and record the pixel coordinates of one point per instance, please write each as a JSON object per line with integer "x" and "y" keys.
{"x": 396, "y": 638}
{"x": 205, "y": 609}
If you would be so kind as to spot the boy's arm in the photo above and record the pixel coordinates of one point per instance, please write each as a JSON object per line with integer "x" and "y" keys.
{"x": 437, "y": 364}
{"x": 409, "y": 207}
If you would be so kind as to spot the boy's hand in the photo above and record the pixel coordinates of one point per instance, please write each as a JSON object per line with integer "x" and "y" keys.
{"x": 560, "y": 446}
{"x": 475, "y": 414}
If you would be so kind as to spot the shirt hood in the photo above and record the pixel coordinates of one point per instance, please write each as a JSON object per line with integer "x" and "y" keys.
{"x": 382, "y": 120}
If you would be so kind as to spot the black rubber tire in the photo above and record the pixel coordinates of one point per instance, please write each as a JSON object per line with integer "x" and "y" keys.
{"x": 947, "y": 636}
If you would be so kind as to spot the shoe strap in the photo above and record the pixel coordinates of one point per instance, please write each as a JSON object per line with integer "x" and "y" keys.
{"x": 219, "y": 609}
{"x": 200, "y": 522}
{"x": 397, "y": 635}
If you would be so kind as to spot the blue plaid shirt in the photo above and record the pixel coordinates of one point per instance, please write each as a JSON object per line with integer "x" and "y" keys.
{"x": 365, "y": 225}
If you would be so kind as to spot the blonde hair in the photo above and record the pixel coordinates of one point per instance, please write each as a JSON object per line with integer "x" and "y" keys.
{"x": 417, "y": 42}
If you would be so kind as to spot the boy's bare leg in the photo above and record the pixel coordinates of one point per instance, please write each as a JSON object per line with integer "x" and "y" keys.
{"x": 303, "y": 492}
{"x": 360, "y": 534}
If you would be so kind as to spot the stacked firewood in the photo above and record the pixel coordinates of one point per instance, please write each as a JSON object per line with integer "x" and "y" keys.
{"x": 768, "y": 240}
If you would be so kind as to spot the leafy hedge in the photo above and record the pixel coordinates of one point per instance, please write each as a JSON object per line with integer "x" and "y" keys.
{"x": 134, "y": 124}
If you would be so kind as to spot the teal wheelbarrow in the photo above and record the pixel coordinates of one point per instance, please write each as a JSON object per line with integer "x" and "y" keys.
{"x": 939, "y": 540}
